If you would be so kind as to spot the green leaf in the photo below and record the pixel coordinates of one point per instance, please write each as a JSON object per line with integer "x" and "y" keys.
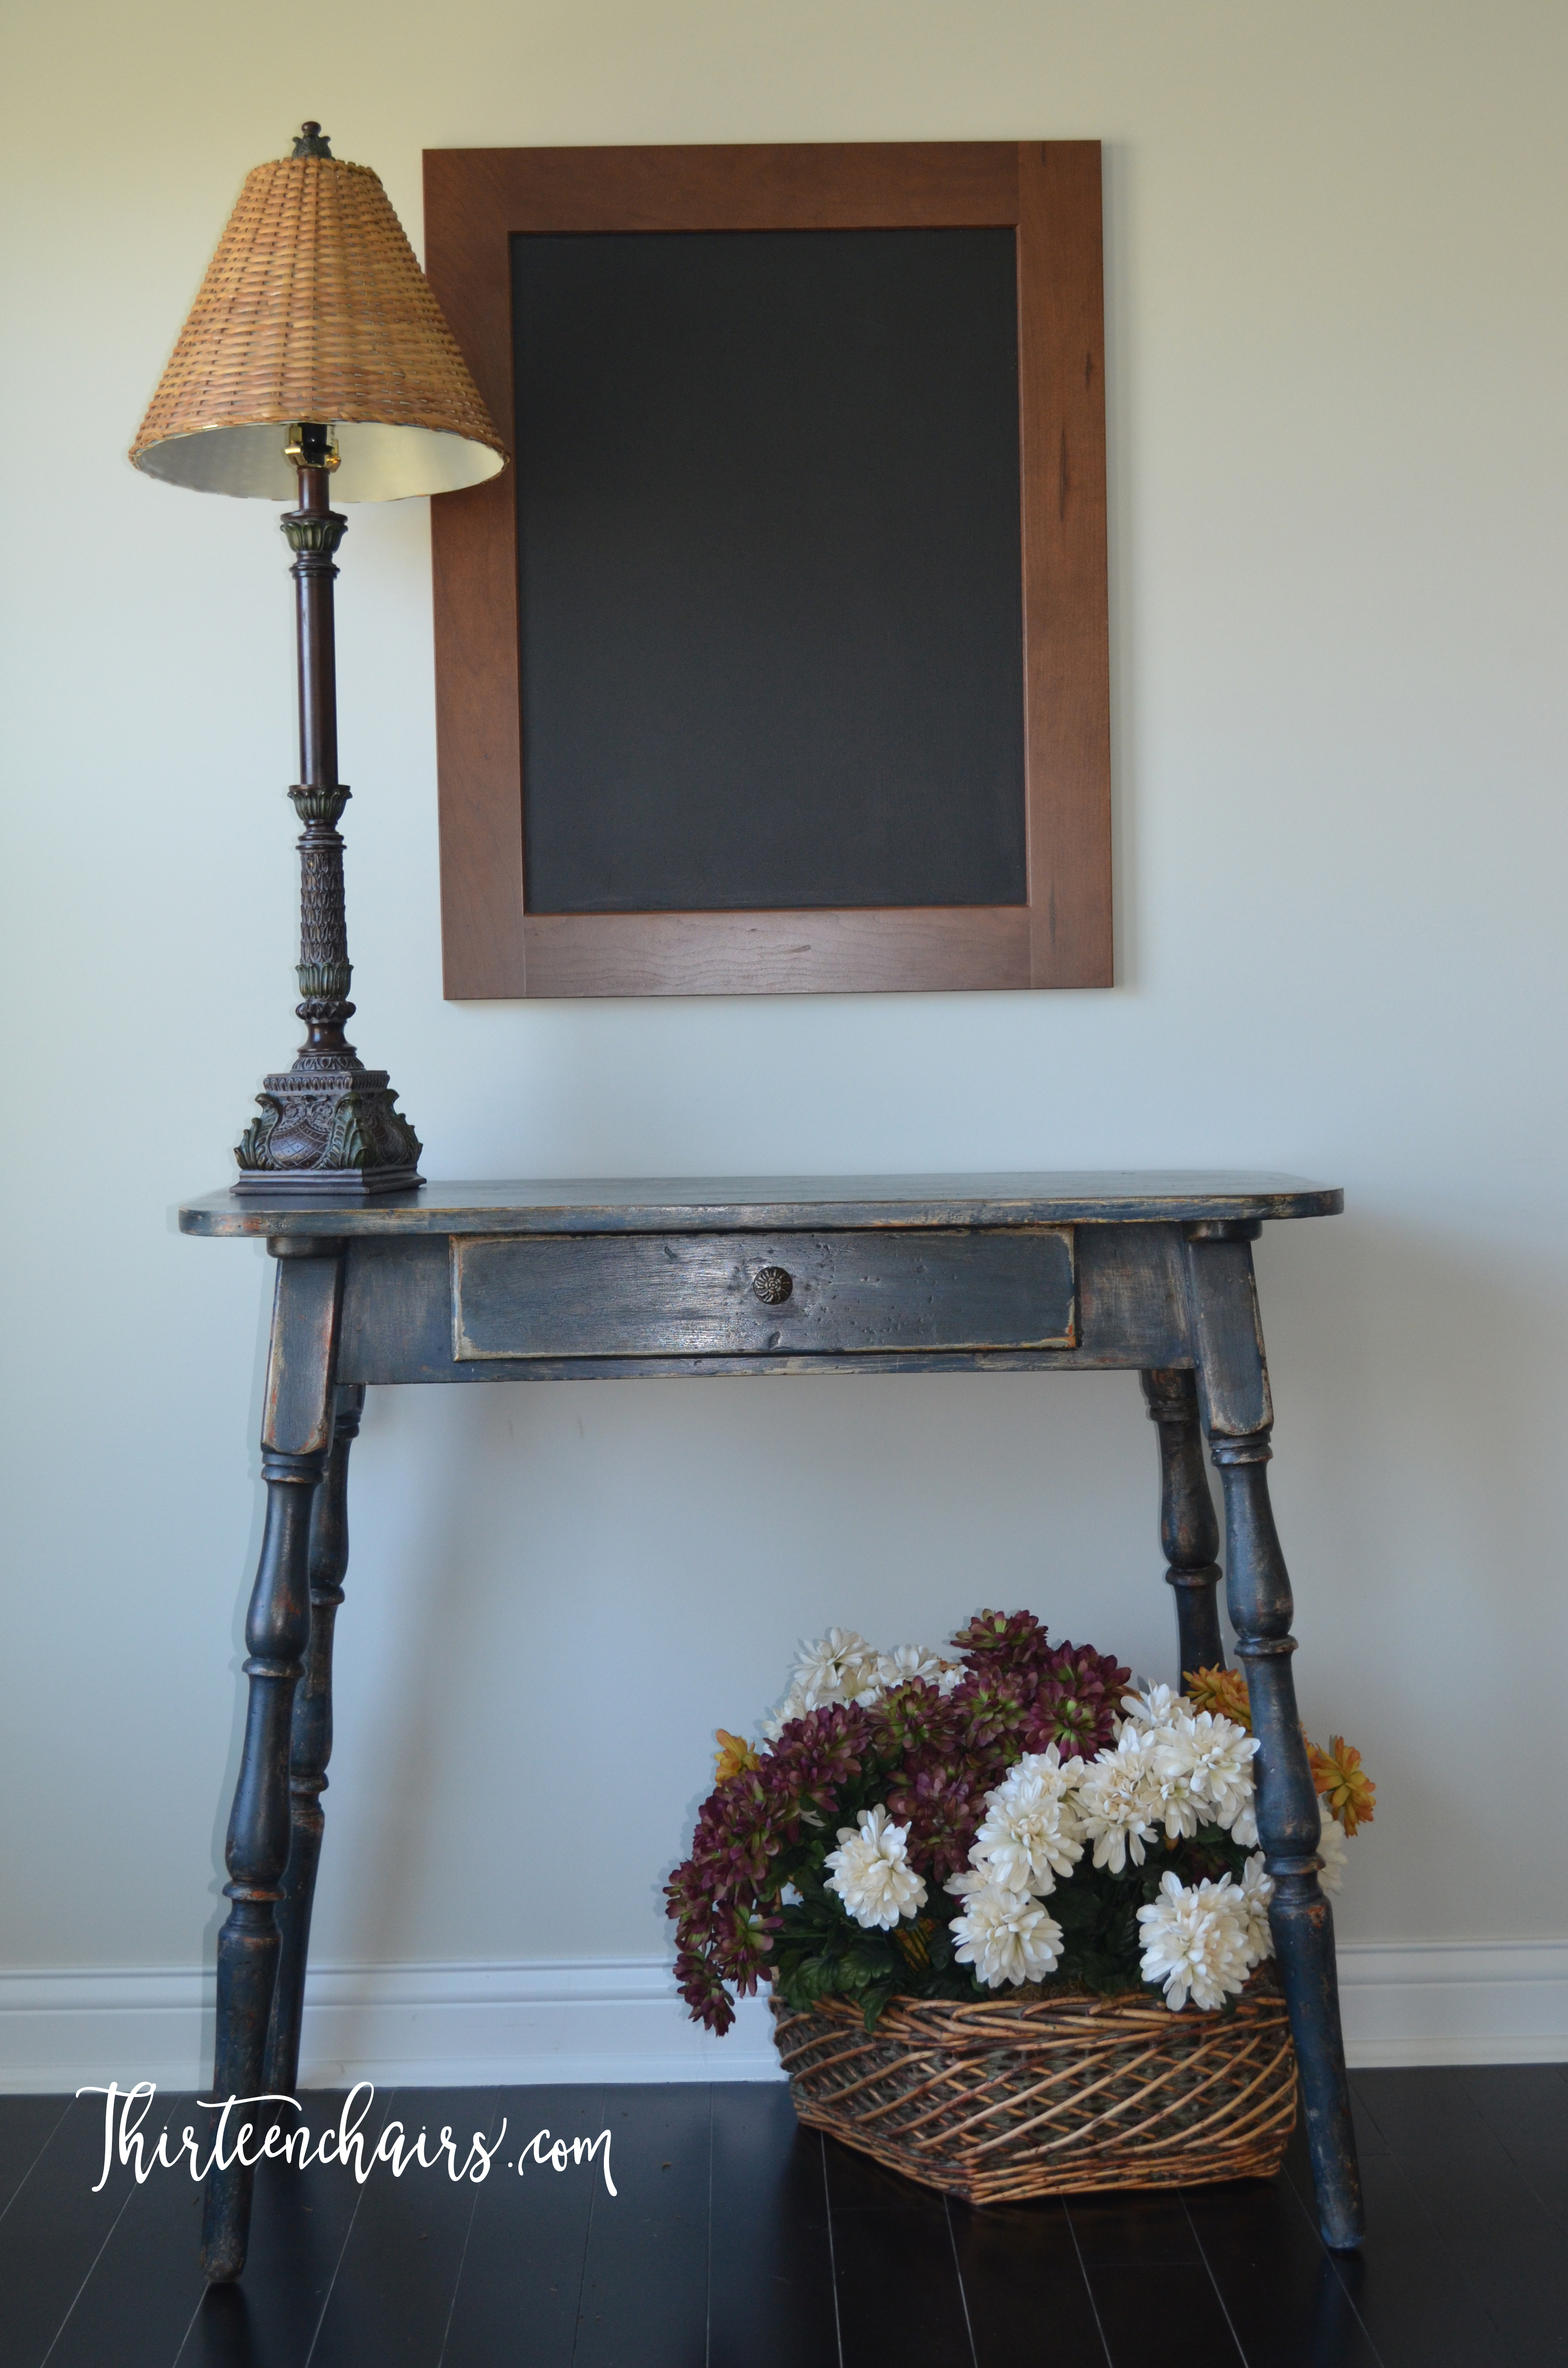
{"x": 871, "y": 2007}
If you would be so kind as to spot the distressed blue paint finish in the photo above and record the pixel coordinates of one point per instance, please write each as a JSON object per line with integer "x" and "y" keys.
{"x": 886, "y": 1275}
{"x": 1232, "y": 1383}
{"x": 296, "y": 1433}
{"x": 752, "y": 1203}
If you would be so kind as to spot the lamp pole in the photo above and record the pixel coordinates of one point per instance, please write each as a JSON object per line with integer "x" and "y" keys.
{"x": 328, "y": 1125}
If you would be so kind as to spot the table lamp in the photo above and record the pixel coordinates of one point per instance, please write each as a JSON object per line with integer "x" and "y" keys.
{"x": 316, "y": 362}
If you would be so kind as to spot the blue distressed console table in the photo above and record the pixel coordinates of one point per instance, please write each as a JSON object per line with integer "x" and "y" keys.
{"x": 550, "y": 1281}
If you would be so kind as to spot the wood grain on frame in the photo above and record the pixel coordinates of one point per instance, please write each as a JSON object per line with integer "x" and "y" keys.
{"x": 1066, "y": 631}
{"x": 474, "y": 200}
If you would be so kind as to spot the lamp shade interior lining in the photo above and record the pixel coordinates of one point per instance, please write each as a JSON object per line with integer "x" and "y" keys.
{"x": 379, "y": 462}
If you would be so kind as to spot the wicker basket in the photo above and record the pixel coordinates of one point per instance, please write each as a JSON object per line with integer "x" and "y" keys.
{"x": 1051, "y": 2095}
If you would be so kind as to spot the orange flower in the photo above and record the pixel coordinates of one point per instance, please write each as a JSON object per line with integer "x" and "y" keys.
{"x": 914, "y": 1941}
{"x": 735, "y": 1756}
{"x": 1342, "y": 1782}
{"x": 1224, "y": 1692}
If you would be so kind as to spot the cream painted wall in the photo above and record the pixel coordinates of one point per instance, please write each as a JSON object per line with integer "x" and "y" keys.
{"x": 1336, "y": 244}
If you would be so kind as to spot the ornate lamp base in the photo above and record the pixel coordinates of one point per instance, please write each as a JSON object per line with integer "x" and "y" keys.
{"x": 328, "y": 1126}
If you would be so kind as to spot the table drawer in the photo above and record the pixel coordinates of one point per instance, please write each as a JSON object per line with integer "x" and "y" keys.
{"x": 755, "y": 1294}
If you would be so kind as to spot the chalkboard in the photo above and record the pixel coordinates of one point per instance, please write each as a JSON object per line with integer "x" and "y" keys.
{"x": 778, "y": 662}
{"x": 770, "y": 569}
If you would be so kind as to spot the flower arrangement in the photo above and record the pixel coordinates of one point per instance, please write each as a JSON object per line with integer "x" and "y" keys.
{"x": 919, "y": 1827}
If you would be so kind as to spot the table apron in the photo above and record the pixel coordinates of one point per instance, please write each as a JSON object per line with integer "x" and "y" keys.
{"x": 597, "y": 1307}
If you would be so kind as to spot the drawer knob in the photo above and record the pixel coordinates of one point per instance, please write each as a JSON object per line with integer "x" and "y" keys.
{"x": 773, "y": 1285}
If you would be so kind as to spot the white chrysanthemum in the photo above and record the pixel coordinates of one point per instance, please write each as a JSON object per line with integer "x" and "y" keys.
{"x": 872, "y": 1873}
{"x": 1219, "y": 1755}
{"x": 1165, "y": 1723}
{"x": 1120, "y": 1801}
{"x": 1244, "y": 1828}
{"x": 1331, "y": 1850}
{"x": 1155, "y": 1706}
{"x": 834, "y": 1668}
{"x": 1182, "y": 1810}
{"x": 908, "y": 1661}
{"x": 1004, "y": 1935}
{"x": 1257, "y": 1891}
{"x": 1194, "y": 1942}
{"x": 1031, "y": 1832}
{"x": 792, "y": 1706}
{"x": 896, "y": 1668}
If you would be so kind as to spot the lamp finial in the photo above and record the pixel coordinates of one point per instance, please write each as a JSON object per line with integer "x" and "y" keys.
{"x": 312, "y": 142}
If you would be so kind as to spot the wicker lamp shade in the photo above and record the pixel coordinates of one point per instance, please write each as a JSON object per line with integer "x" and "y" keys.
{"x": 314, "y": 308}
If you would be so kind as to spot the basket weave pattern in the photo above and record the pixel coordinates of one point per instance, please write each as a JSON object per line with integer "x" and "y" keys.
{"x": 1051, "y": 2096}
{"x": 314, "y": 307}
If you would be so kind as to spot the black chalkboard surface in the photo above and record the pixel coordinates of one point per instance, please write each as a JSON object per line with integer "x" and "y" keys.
{"x": 768, "y": 507}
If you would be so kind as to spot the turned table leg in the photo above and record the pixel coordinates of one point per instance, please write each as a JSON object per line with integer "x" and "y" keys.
{"x": 1188, "y": 1531}
{"x": 1233, "y": 1386}
{"x": 311, "y": 1748}
{"x": 296, "y": 1433}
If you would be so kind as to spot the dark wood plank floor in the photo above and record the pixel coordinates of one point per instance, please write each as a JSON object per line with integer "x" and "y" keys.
{"x": 736, "y": 2240}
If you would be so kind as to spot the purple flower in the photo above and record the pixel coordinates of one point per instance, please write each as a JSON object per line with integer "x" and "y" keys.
{"x": 1076, "y": 1701}
{"x": 942, "y": 1806}
{"x": 1011, "y": 1641}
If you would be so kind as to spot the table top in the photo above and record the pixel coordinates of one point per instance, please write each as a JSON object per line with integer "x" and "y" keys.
{"x": 772, "y": 1204}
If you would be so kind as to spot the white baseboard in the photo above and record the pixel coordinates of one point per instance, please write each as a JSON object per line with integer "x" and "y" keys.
{"x": 414, "y": 2026}
{"x": 1455, "y": 2002}
{"x": 426, "y": 2026}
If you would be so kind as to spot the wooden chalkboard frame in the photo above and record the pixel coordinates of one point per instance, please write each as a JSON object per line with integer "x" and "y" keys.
{"x": 1050, "y": 193}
